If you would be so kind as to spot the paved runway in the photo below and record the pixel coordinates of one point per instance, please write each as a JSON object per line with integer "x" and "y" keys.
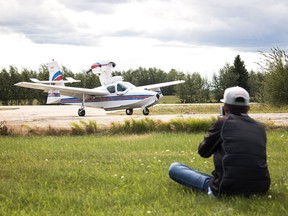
{"x": 61, "y": 116}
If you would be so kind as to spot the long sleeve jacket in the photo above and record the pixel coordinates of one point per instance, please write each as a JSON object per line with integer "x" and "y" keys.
{"x": 238, "y": 146}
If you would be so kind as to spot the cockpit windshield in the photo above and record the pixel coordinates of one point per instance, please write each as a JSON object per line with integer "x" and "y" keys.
{"x": 120, "y": 86}
{"x": 123, "y": 86}
{"x": 111, "y": 88}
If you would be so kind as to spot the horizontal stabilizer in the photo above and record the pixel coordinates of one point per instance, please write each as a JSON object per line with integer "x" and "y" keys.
{"x": 69, "y": 80}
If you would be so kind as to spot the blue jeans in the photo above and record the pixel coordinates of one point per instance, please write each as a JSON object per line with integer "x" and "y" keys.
{"x": 189, "y": 177}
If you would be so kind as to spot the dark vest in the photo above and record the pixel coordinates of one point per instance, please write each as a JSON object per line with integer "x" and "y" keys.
{"x": 244, "y": 163}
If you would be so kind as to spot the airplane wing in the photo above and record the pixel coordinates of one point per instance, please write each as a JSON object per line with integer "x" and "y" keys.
{"x": 160, "y": 85}
{"x": 64, "y": 90}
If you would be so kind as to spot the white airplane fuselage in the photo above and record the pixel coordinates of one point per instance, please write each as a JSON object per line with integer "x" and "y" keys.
{"x": 130, "y": 99}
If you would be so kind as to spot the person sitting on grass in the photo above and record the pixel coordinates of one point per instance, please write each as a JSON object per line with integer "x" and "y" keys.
{"x": 238, "y": 145}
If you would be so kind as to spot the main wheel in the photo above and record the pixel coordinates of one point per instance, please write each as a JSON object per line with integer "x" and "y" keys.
{"x": 129, "y": 111}
{"x": 81, "y": 112}
{"x": 145, "y": 111}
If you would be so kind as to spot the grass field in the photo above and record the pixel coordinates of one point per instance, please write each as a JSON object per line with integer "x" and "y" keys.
{"x": 122, "y": 175}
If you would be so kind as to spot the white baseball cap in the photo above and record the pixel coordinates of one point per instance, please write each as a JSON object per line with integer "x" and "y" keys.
{"x": 236, "y": 96}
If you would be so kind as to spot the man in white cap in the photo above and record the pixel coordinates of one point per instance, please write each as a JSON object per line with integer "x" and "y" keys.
{"x": 238, "y": 145}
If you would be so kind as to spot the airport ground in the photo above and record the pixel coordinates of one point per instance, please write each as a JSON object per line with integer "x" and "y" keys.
{"x": 61, "y": 116}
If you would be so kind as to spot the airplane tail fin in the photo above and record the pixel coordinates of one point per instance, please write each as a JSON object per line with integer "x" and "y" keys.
{"x": 55, "y": 73}
{"x": 55, "y": 77}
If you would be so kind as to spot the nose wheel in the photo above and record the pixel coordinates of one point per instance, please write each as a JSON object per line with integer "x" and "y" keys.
{"x": 81, "y": 112}
{"x": 146, "y": 111}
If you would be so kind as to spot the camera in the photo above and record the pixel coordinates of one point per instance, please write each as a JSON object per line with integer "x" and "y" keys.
{"x": 222, "y": 111}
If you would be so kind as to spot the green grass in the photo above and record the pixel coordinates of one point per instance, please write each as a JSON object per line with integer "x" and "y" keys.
{"x": 170, "y": 99}
{"x": 205, "y": 108}
{"x": 122, "y": 175}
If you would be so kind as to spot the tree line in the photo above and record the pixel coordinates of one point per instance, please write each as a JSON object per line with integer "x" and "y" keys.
{"x": 269, "y": 85}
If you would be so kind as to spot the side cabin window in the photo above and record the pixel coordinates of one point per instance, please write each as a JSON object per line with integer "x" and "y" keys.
{"x": 121, "y": 87}
{"x": 111, "y": 89}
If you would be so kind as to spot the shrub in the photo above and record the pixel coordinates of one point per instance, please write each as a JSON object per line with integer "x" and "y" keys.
{"x": 175, "y": 125}
{"x": 84, "y": 127}
{"x": 3, "y": 128}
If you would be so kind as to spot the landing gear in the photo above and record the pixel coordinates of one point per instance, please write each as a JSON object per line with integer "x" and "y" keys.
{"x": 146, "y": 111}
{"x": 81, "y": 112}
{"x": 129, "y": 111}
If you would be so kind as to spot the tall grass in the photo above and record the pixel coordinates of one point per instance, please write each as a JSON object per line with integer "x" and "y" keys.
{"x": 129, "y": 126}
{"x": 84, "y": 127}
{"x": 122, "y": 175}
{"x": 149, "y": 125}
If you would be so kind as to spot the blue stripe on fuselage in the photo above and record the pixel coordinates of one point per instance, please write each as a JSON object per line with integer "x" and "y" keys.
{"x": 106, "y": 99}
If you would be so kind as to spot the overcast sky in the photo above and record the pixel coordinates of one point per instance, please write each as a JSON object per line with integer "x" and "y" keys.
{"x": 187, "y": 35}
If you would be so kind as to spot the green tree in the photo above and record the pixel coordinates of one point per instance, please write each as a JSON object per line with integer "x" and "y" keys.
{"x": 256, "y": 83}
{"x": 142, "y": 76}
{"x": 90, "y": 81}
{"x": 43, "y": 74}
{"x": 194, "y": 90}
{"x": 172, "y": 76}
{"x": 4, "y": 86}
{"x": 225, "y": 79}
{"x": 28, "y": 95}
{"x": 275, "y": 66}
{"x": 14, "y": 77}
{"x": 240, "y": 70}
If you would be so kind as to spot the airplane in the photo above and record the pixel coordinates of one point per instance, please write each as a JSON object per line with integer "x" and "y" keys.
{"x": 113, "y": 94}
